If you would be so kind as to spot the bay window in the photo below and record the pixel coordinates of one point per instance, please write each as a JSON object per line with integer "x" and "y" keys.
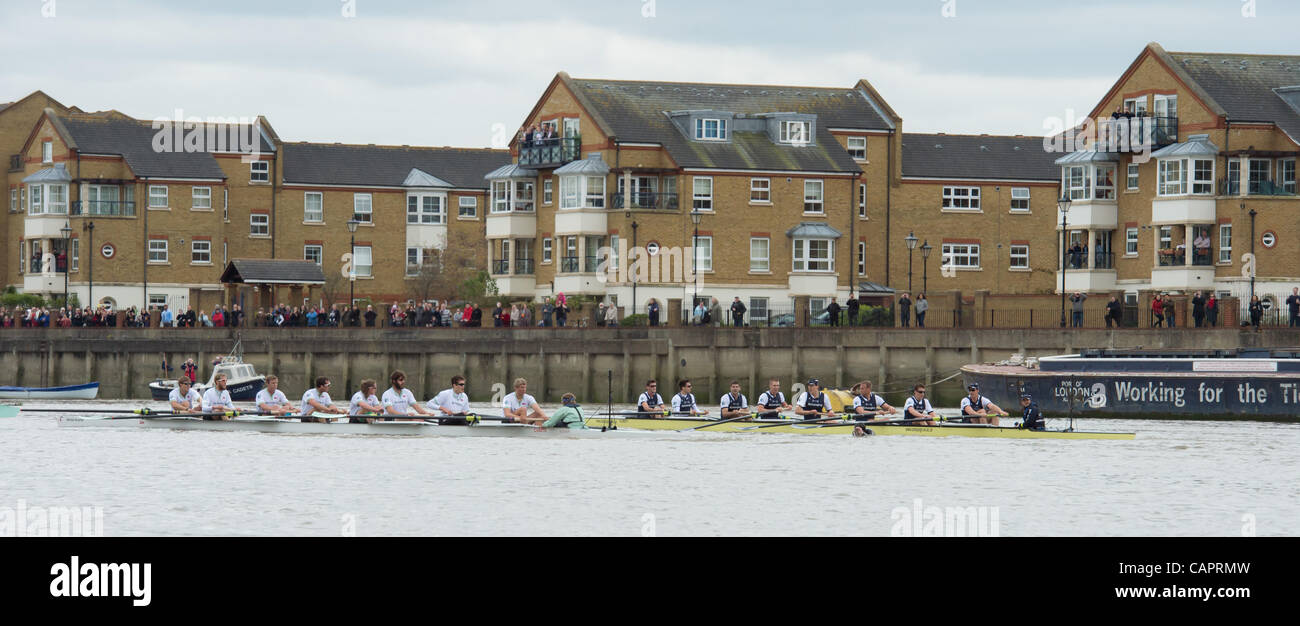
{"x": 425, "y": 208}
{"x": 814, "y": 255}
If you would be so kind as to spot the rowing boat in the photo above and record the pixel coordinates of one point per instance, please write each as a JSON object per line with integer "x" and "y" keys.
{"x": 844, "y": 428}
{"x": 343, "y": 427}
{"x": 87, "y": 391}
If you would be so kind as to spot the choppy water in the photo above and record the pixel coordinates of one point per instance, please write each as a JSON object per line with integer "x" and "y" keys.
{"x": 1176, "y": 478}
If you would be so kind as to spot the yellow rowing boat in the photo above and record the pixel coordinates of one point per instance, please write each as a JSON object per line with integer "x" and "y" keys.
{"x": 845, "y": 428}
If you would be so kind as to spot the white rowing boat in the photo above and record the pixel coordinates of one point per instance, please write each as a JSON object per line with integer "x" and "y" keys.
{"x": 343, "y": 427}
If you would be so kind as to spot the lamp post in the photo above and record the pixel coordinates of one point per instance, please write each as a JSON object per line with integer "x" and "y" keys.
{"x": 1254, "y": 261}
{"x": 911, "y": 245}
{"x": 1064, "y": 205}
{"x": 628, "y": 260}
{"x": 352, "y": 269}
{"x": 89, "y": 227}
{"x": 695, "y": 255}
{"x": 67, "y": 259}
{"x": 925, "y": 265}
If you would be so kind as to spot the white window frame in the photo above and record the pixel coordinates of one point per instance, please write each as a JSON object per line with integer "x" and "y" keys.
{"x": 704, "y": 133}
{"x": 1225, "y": 243}
{"x": 570, "y": 192}
{"x": 74, "y": 256}
{"x": 1134, "y": 176}
{"x": 761, "y": 264}
{"x": 430, "y": 208}
{"x": 356, "y": 262}
{"x": 225, "y": 258}
{"x": 814, "y": 197}
{"x": 500, "y": 200}
{"x": 13, "y": 200}
{"x": 1139, "y": 104}
{"x": 1201, "y": 185}
{"x": 955, "y": 197}
{"x": 22, "y": 256}
{"x": 313, "y": 207}
{"x": 255, "y": 224}
{"x": 363, "y": 208}
{"x": 1171, "y": 177}
{"x": 703, "y": 253}
{"x": 862, "y": 201}
{"x": 414, "y": 269}
{"x": 702, "y": 201}
{"x": 593, "y": 190}
{"x": 200, "y": 198}
{"x": 803, "y": 260}
{"x": 200, "y": 252}
{"x": 309, "y": 248}
{"x": 259, "y": 172}
{"x": 158, "y": 253}
{"x": 1103, "y": 190}
{"x": 472, "y": 205}
{"x": 962, "y": 256}
{"x": 760, "y": 191}
{"x": 1021, "y": 195}
{"x": 548, "y": 247}
{"x": 758, "y": 309}
{"x": 1021, "y": 255}
{"x": 799, "y": 137}
{"x": 1130, "y": 241}
{"x": 1166, "y": 237}
{"x": 47, "y": 152}
{"x": 1286, "y": 174}
{"x": 862, "y": 258}
{"x": 56, "y": 199}
{"x": 855, "y": 150}
{"x": 548, "y": 191}
{"x": 1077, "y": 180}
{"x": 156, "y": 198}
{"x": 35, "y": 200}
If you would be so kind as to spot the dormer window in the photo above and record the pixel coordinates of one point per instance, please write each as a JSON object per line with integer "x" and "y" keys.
{"x": 795, "y": 132}
{"x": 708, "y": 129}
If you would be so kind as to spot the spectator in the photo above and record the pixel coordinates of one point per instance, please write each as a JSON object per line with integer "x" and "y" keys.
{"x": 851, "y": 307}
{"x": 833, "y": 312}
{"x": 1198, "y": 309}
{"x": 370, "y": 316}
{"x": 738, "y": 311}
{"x": 497, "y": 322}
{"x": 1256, "y": 312}
{"x": 1212, "y": 310}
{"x": 525, "y": 315}
{"x": 548, "y": 310}
{"x": 204, "y": 319}
{"x": 1114, "y": 311}
{"x": 467, "y": 315}
{"x": 922, "y": 305}
{"x": 698, "y": 315}
{"x": 1157, "y": 312}
{"x": 1076, "y": 309}
{"x": 653, "y": 311}
{"x": 190, "y": 369}
{"x": 561, "y": 311}
{"x": 1293, "y": 303}
{"x": 218, "y": 318}
{"x": 510, "y": 317}
{"x": 715, "y": 312}
{"x": 611, "y": 316}
{"x": 1076, "y": 256}
{"x": 600, "y": 313}
{"x": 476, "y": 317}
{"x": 166, "y": 318}
{"x": 1168, "y": 306}
{"x": 905, "y": 310}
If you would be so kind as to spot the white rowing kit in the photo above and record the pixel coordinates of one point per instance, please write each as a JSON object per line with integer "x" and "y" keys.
{"x": 195, "y": 400}
{"x": 322, "y": 397}
{"x": 513, "y": 403}
{"x": 214, "y": 400}
{"x": 277, "y": 399}
{"x": 354, "y": 408}
{"x": 457, "y": 403}
{"x": 400, "y": 403}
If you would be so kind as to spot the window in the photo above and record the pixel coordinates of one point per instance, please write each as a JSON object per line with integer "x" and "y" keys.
{"x": 224, "y": 257}
{"x": 1225, "y": 243}
{"x": 571, "y": 127}
{"x": 1286, "y": 175}
{"x": 361, "y": 208}
{"x": 1020, "y": 199}
{"x": 157, "y": 250}
{"x": 1105, "y": 182}
{"x": 546, "y": 249}
{"x": 201, "y": 252}
{"x": 201, "y": 198}
{"x": 13, "y": 200}
{"x": 35, "y": 205}
{"x": 813, "y": 255}
{"x": 157, "y": 196}
{"x": 259, "y": 171}
{"x": 57, "y": 202}
{"x": 548, "y": 191}
{"x": 22, "y": 256}
{"x": 703, "y": 193}
{"x": 313, "y": 207}
{"x": 259, "y": 225}
{"x": 961, "y": 255}
{"x": 361, "y": 261}
{"x": 1173, "y": 178}
{"x": 760, "y": 190}
{"x": 1019, "y": 256}
{"x": 862, "y": 258}
{"x": 1136, "y": 105}
{"x": 795, "y": 132}
{"x": 1166, "y": 237}
{"x": 424, "y": 208}
{"x": 757, "y": 309}
{"x": 1234, "y": 176}
{"x": 857, "y": 147}
{"x": 1132, "y": 176}
{"x": 759, "y": 261}
{"x": 157, "y": 300}
{"x": 961, "y": 198}
{"x": 47, "y": 152}
{"x": 1203, "y": 177}
{"x": 468, "y": 207}
{"x": 1078, "y": 180}
{"x": 569, "y": 196}
{"x": 862, "y": 200}
{"x": 225, "y": 205}
{"x": 813, "y": 191}
{"x": 313, "y": 253}
{"x": 1131, "y": 242}
{"x": 75, "y": 258}
{"x": 1259, "y": 174}
{"x": 596, "y": 192}
{"x": 414, "y": 259}
{"x": 704, "y": 254}
{"x": 710, "y": 129}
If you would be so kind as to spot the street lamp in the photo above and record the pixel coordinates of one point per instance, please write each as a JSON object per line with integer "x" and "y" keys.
{"x": 925, "y": 265}
{"x": 352, "y": 269}
{"x": 89, "y": 227}
{"x": 627, "y": 262}
{"x": 695, "y": 255}
{"x": 911, "y": 245}
{"x": 1255, "y": 262}
{"x": 1064, "y": 205}
{"x": 67, "y": 260}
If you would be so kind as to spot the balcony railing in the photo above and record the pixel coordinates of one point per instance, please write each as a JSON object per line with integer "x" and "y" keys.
{"x": 1104, "y": 261}
{"x": 549, "y": 152}
{"x": 1131, "y": 134}
{"x": 569, "y": 264}
{"x": 592, "y": 265}
{"x": 104, "y": 207}
{"x": 500, "y": 267}
{"x": 646, "y": 200}
{"x": 523, "y": 267}
{"x": 1256, "y": 188}
{"x": 15, "y": 162}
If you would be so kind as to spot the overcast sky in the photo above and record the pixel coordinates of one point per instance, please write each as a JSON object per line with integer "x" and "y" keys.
{"x": 446, "y": 73}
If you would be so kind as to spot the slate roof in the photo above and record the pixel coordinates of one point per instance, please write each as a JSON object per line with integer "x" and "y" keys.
{"x": 387, "y": 166}
{"x": 4, "y": 105}
{"x": 134, "y": 140}
{"x": 814, "y": 229}
{"x": 277, "y": 271}
{"x": 1244, "y": 85}
{"x": 636, "y": 111}
{"x": 992, "y": 157}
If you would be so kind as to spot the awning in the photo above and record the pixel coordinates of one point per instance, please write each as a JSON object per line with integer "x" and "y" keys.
{"x": 419, "y": 178}
{"x": 1196, "y": 145}
{"x": 813, "y": 230}
{"x": 506, "y": 172}
{"x": 1087, "y": 156}
{"x": 273, "y": 272}
{"x": 590, "y": 166}
{"x": 56, "y": 174}
{"x": 867, "y": 288}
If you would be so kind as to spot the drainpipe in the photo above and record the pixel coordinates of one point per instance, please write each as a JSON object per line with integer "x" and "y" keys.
{"x": 274, "y": 162}
{"x": 145, "y": 306}
{"x": 853, "y": 240}
{"x": 889, "y": 199}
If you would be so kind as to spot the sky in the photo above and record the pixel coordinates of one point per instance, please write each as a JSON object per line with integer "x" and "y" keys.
{"x": 434, "y": 73}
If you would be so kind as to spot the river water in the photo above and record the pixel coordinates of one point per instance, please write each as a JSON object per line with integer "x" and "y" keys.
{"x": 1215, "y": 478}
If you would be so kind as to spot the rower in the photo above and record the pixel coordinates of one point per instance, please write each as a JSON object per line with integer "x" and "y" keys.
{"x": 317, "y": 400}
{"x": 183, "y": 398}
{"x": 365, "y": 404}
{"x": 452, "y": 403}
{"x": 399, "y": 401}
{"x": 772, "y": 399}
{"x": 975, "y": 408}
{"x": 272, "y": 400}
{"x": 867, "y": 403}
{"x": 651, "y": 402}
{"x": 684, "y": 401}
{"x": 734, "y": 403}
{"x": 521, "y": 407}
{"x": 569, "y": 415}
{"x": 813, "y": 404}
{"x": 918, "y": 407}
{"x": 217, "y": 399}
{"x": 1033, "y": 418}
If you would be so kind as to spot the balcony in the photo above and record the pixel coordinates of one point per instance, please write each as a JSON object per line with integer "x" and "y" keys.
{"x": 1087, "y": 281}
{"x": 1256, "y": 188}
{"x": 16, "y": 163}
{"x": 1202, "y": 257}
{"x": 1136, "y": 134}
{"x": 569, "y": 265}
{"x": 108, "y": 208}
{"x": 591, "y": 265}
{"x": 549, "y": 152}
{"x": 500, "y": 267}
{"x": 651, "y": 200}
{"x": 523, "y": 267}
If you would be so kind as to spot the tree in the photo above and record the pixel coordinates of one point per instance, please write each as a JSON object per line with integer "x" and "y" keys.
{"x": 456, "y": 270}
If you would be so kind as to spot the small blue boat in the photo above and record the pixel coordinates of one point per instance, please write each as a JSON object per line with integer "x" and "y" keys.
{"x": 87, "y": 391}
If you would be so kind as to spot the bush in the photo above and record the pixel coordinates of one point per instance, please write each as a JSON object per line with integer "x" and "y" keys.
{"x": 640, "y": 319}
{"x": 21, "y": 299}
{"x": 876, "y": 316}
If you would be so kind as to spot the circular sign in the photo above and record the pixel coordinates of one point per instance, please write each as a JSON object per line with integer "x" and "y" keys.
{"x": 1269, "y": 239}
{"x": 108, "y": 251}
{"x": 1266, "y": 304}
{"x": 652, "y": 248}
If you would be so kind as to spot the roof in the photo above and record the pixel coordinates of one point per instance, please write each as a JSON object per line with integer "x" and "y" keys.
{"x": 1245, "y": 85}
{"x": 134, "y": 140}
{"x": 273, "y": 271}
{"x": 815, "y": 230}
{"x": 56, "y": 174}
{"x": 387, "y": 166}
{"x": 992, "y": 157}
{"x": 1088, "y": 156}
{"x": 636, "y": 111}
{"x": 1196, "y": 145}
{"x": 510, "y": 170}
{"x": 869, "y": 288}
{"x": 4, "y": 105}
{"x": 590, "y": 166}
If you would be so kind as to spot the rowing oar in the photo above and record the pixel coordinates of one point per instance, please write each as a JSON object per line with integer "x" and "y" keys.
{"x": 145, "y": 411}
{"x": 792, "y": 422}
{"x": 733, "y": 419}
{"x": 161, "y": 414}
